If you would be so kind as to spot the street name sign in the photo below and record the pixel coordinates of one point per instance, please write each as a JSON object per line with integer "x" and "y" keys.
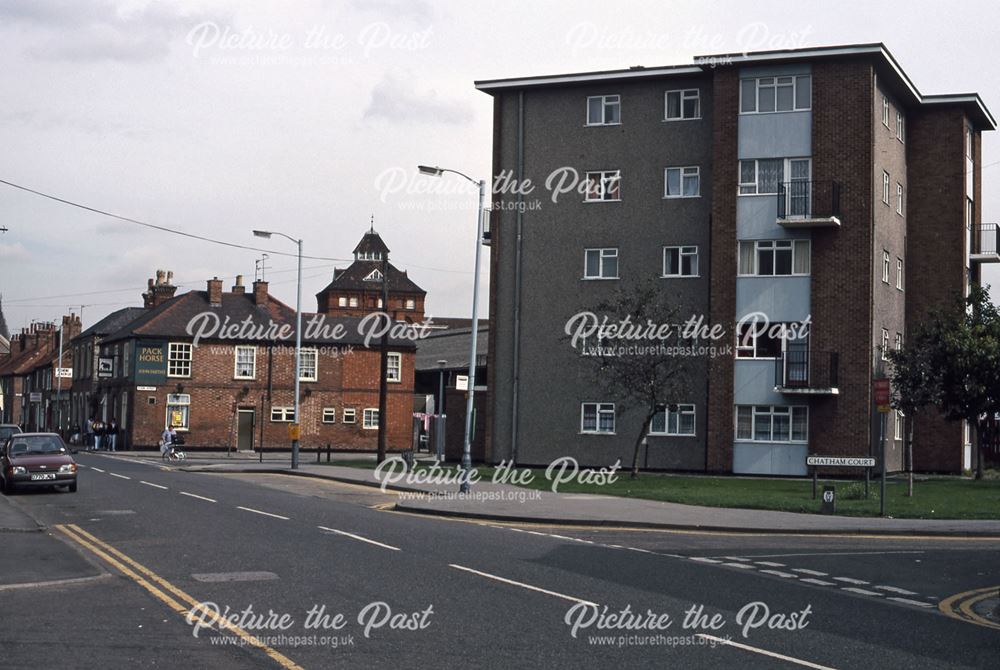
{"x": 840, "y": 461}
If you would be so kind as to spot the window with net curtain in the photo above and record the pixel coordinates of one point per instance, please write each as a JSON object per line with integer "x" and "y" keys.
{"x": 774, "y": 257}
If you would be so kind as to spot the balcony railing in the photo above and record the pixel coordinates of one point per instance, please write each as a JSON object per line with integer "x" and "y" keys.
{"x": 808, "y": 204}
{"x": 986, "y": 249}
{"x": 805, "y": 371}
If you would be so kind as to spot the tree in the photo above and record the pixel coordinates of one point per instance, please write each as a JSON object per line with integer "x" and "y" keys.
{"x": 952, "y": 361}
{"x": 636, "y": 366}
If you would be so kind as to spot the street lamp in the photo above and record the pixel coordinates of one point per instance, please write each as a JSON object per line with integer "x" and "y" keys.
{"x": 266, "y": 234}
{"x": 439, "y": 420}
{"x": 469, "y": 406}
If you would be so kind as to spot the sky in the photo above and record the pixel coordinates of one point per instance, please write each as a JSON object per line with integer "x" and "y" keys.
{"x": 219, "y": 117}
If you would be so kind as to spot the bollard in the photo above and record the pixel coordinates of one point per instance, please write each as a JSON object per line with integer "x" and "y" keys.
{"x": 327, "y": 452}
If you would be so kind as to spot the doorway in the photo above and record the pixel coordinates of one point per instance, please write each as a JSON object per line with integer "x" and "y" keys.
{"x": 244, "y": 431}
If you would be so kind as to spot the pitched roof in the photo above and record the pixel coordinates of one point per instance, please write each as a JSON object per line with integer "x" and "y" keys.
{"x": 353, "y": 278}
{"x": 371, "y": 243}
{"x": 452, "y": 346}
{"x": 113, "y": 322}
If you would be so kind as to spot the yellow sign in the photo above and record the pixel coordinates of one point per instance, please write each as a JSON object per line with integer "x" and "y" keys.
{"x": 884, "y": 409}
{"x": 177, "y": 419}
{"x": 294, "y": 431}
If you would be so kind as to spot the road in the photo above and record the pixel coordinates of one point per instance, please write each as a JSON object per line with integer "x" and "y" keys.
{"x": 416, "y": 591}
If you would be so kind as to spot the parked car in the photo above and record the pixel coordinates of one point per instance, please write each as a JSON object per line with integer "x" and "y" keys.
{"x": 36, "y": 459}
{"x": 6, "y": 430}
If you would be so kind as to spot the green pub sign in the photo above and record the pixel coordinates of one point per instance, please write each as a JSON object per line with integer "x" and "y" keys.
{"x": 150, "y": 363}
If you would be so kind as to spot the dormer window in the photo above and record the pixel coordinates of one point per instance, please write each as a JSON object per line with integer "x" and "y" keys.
{"x": 374, "y": 275}
{"x": 368, "y": 256}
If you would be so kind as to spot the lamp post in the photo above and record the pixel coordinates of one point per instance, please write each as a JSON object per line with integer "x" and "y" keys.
{"x": 469, "y": 405}
{"x": 266, "y": 234}
{"x": 439, "y": 419}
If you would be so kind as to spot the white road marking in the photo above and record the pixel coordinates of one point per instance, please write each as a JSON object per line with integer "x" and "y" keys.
{"x": 770, "y": 564}
{"x": 561, "y": 537}
{"x": 814, "y": 573}
{"x": 841, "y": 553}
{"x": 96, "y": 469}
{"x": 737, "y": 558}
{"x": 779, "y": 573}
{"x": 195, "y": 495}
{"x": 817, "y": 582}
{"x": 643, "y": 551}
{"x": 522, "y": 585}
{"x": 893, "y": 589}
{"x": 359, "y": 538}
{"x": 864, "y": 592}
{"x": 155, "y": 486}
{"x": 703, "y": 559}
{"x": 739, "y": 565}
{"x": 907, "y": 601}
{"x": 115, "y": 474}
{"x": 851, "y": 580}
{"x": 262, "y": 513}
{"x": 765, "y": 652}
{"x": 614, "y": 546}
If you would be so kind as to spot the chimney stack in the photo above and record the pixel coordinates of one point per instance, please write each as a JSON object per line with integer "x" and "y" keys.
{"x": 215, "y": 292}
{"x": 260, "y": 292}
{"x": 158, "y": 290}
{"x": 71, "y": 327}
{"x": 238, "y": 287}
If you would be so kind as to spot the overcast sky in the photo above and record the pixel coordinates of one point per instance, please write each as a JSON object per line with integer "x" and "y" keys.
{"x": 308, "y": 117}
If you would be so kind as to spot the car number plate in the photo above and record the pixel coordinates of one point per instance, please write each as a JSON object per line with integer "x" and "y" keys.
{"x": 43, "y": 476}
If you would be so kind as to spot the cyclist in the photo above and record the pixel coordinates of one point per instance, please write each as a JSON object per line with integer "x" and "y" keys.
{"x": 167, "y": 441}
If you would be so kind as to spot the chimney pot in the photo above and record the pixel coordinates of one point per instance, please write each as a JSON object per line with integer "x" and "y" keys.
{"x": 238, "y": 287}
{"x": 215, "y": 291}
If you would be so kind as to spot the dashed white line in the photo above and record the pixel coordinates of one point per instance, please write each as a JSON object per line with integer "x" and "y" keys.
{"x": 704, "y": 559}
{"x": 744, "y": 566}
{"x": 359, "y": 538}
{"x": 155, "y": 486}
{"x": 765, "y": 652}
{"x": 737, "y": 558}
{"x": 115, "y": 474}
{"x": 522, "y": 585}
{"x": 851, "y": 580}
{"x": 817, "y": 582}
{"x": 893, "y": 589}
{"x": 779, "y": 573}
{"x": 907, "y": 601}
{"x": 864, "y": 592}
{"x": 643, "y": 551}
{"x": 195, "y": 495}
{"x": 770, "y": 564}
{"x": 96, "y": 469}
{"x": 262, "y": 513}
{"x": 814, "y": 573}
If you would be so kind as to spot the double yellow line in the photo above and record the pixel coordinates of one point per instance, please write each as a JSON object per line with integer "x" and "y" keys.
{"x": 174, "y": 598}
{"x": 959, "y": 606}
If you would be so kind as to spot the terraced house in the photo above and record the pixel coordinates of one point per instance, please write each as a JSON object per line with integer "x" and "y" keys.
{"x": 813, "y": 186}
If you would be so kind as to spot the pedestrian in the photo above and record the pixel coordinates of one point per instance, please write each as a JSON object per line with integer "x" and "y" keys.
{"x": 98, "y": 435}
{"x": 112, "y": 434}
{"x": 89, "y": 437}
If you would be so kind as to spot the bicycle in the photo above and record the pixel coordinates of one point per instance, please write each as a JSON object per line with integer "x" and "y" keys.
{"x": 173, "y": 454}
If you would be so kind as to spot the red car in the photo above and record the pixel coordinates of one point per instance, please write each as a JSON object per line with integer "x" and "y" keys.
{"x": 36, "y": 459}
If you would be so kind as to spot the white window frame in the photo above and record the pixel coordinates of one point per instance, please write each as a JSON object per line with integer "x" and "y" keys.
{"x": 899, "y": 273}
{"x": 600, "y": 409}
{"x": 394, "y": 367}
{"x": 611, "y": 100}
{"x": 329, "y": 415}
{"x": 282, "y": 414}
{"x": 315, "y": 367}
{"x": 236, "y": 361}
{"x": 897, "y": 426}
{"x": 349, "y": 415}
{"x": 352, "y": 301}
{"x": 690, "y": 252}
{"x": 885, "y": 187}
{"x": 684, "y": 95}
{"x": 683, "y": 409}
{"x": 603, "y": 253}
{"x": 758, "y": 85}
{"x": 684, "y": 174}
{"x": 743, "y": 187}
{"x": 899, "y": 342}
{"x": 604, "y": 179}
{"x": 183, "y": 401}
{"x": 411, "y": 304}
{"x": 754, "y": 335}
{"x": 885, "y": 111}
{"x": 180, "y": 359}
{"x": 369, "y": 418}
{"x": 885, "y": 345}
{"x": 342, "y": 301}
{"x": 886, "y": 260}
{"x": 900, "y": 123}
{"x": 770, "y": 411}
{"x": 899, "y": 198}
{"x": 795, "y": 244}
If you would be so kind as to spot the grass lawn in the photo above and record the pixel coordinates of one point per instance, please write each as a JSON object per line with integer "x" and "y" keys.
{"x": 934, "y": 497}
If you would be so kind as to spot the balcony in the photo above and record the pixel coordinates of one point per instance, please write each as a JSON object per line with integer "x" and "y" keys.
{"x": 809, "y": 204}
{"x": 807, "y": 372}
{"x": 986, "y": 251}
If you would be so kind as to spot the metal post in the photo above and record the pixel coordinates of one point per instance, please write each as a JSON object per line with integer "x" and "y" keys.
{"x": 59, "y": 381}
{"x": 298, "y": 356}
{"x": 470, "y": 403}
{"x": 881, "y": 439}
{"x": 814, "y": 483}
{"x": 383, "y": 382}
{"x": 439, "y": 415}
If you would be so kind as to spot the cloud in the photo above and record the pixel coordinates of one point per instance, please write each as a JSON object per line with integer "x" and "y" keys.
{"x": 395, "y": 99}
{"x": 417, "y": 11}
{"x": 98, "y": 30}
{"x": 14, "y": 253}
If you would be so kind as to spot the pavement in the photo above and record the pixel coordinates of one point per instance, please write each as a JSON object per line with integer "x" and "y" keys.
{"x": 502, "y": 502}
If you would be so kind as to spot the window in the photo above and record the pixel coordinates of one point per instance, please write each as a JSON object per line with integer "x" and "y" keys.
{"x": 885, "y": 111}
{"x": 763, "y": 176}
{"x": 350, "y": 415}
{"x": 899, "y": 126}
{"x": 126, "y": 370}
{"x": 282, "y": 414}
{"x": 769, "y": 423}
{"x": 885, "y": 345}
{"x": 329, "y": 415}
{"x": 682, "y": 182}
{"x": 411, "y": 304}
{"x": 369, "y": 420}
{"x": 394, "y": 370}
{"x": 899, "y": 198}
{"x": 600, "y": 263}
{"x": 774, "y": 258}
{"x": 353, "y": 302}
{"x": 597, "y": 417}
{"x": 604, "y": 186}
{"x": 885, "y": 266}
{"x": 685, "y": 104}
{"x": 970, "y": 151}
{"x": 775, "y": 94}
{"x": 760, "y": 340}
{"x": 307, "y": 365}
{"x": 374, "y": 275}
{"x": 897, "y": 427}
{"x": 885, "y": 187}
{"x": 179, "y": 359}
{"x": 899, "y": 273}
{"x": 899, "y": 341}
{"x": 342, "y": 301}
{"x": 246, "y": 362}
{"x": 673, "y": 420}
{"x": 178, "y": 410}
{"x": 604, "y": 110}
{"x": 680, "y": 261}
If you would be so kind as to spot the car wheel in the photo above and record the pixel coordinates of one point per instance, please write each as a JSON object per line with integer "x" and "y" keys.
{"x": 71, "y": 488}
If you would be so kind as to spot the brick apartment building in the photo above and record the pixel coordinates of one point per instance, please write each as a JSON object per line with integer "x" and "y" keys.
{"x": 812, "y": 184}
{"x": 142, "y": 367}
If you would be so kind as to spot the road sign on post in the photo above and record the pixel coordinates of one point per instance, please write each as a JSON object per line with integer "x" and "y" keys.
{"x": 829, "y": 505}
{"x": 294, "y": 431}
{"x": 462, "y": 382}
{"x": 883, "y": 395}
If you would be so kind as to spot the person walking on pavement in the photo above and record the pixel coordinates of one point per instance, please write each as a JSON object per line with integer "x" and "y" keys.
{"x": 89, "y": 436}
{"x": 112, "y": 435}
